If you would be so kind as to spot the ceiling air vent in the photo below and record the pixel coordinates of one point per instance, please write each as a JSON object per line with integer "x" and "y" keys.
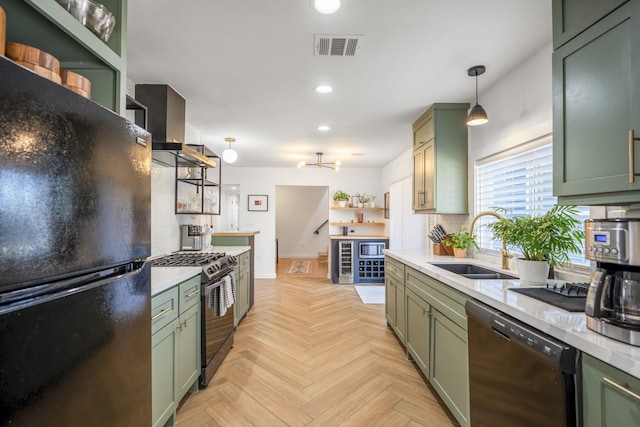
{"x": 337, "y": 44}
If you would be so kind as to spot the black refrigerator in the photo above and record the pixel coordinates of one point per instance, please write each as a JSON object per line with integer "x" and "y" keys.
{"x": 75, "y": 198}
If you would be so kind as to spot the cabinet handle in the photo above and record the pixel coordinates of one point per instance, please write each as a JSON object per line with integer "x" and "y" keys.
{"x": 632, "y": 157}
{"x": 622, "y": 389}
{"x": 160, "y": 313}
{"x": 192, "y": 293}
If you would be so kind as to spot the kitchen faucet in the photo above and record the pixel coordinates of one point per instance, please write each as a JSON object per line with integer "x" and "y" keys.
{"x": 505, "y": 253}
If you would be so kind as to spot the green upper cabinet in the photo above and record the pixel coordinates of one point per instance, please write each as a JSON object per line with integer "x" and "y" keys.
{"x": 571, "y": 17}
{"x": 46, "y": 25}
{"x": 440, "y": 160}
{"x": 595, "y": 107}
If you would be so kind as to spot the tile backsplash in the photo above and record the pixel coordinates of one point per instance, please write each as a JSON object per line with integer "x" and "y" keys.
{"x": 165, "y": 224}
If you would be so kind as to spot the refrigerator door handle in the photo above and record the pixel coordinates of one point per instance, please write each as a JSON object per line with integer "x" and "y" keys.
{"x": 28, "y": 297}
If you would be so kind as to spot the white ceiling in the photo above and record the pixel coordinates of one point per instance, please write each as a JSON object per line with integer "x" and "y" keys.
{"x": 247, "y": 68}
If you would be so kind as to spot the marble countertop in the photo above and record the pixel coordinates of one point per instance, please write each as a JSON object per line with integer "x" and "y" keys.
{"x": 563, "y": 325}
{"x": 163, "y": 278}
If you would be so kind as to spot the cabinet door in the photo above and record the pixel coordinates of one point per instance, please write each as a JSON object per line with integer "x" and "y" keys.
{"x": 595, "y": 92}
{"x": 611, "y": 397}
{"x": 449, "y": 371}
{"x": 417, "y": 330}
{"x": 188, "y": 349}
{"x": 163, "y": 362}
{"x": 571, "y": 17}
{"x": 429, "y": 175}
{"x": 242, "y": 295}
{"x": 419, "y": 197}
{"x": 400, "y": 312}
{"x": 390, "y": 300}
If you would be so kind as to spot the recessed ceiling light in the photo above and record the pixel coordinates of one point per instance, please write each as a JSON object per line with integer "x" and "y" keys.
{"x": 323, "y": 89}
{"x": 323, "y": 128}
{"x": 327, "y": 7}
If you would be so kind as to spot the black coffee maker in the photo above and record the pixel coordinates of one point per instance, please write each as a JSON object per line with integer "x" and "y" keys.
{"x": 613, "y": 299}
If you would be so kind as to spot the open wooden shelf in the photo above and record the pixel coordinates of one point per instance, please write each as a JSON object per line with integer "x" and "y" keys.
{"x": 355, "y": 209}
{"x": 351, "y": 224}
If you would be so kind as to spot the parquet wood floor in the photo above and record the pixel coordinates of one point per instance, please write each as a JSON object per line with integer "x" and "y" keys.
{"x": 311, "y": 354}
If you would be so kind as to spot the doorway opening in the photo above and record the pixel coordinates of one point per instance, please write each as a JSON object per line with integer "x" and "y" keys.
{"x": 302, "y": 230}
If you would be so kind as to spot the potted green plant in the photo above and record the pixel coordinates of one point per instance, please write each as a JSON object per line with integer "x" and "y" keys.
{"x": 460, "y": 241}
{"x": 341, "y": 198}
{"x": 544, "y": 240}
{"x": 360, "y": 199}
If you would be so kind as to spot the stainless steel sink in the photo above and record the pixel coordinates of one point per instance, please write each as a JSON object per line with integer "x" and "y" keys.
{"x": 471, "y": 271}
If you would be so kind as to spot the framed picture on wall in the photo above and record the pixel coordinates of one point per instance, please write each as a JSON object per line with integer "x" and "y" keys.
{"x": 258, "y": 203}
{"x": 386, "y": 205}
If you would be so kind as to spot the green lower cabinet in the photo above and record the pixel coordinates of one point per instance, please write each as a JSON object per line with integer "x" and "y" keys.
{"x": 611, "y": 398}
{"x": 175, "y": 348}
{"x": 163, "y": 362}
{"x": 188, "y": 348}
{"x": 449, "y": 369}
{"x": 394, "y": 306}
{"x": 417, "y": 330}
{"x": 243, "y": 288}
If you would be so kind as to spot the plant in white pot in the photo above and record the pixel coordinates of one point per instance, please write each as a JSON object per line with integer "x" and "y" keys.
{"x": 341, "y": 198}
{"x": 360, "y": 199}
{"x": 460, "y": 241}
{"x": 544, "y": 240}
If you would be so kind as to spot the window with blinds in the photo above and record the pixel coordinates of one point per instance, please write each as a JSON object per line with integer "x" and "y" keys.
{"x": 521, "y": 181}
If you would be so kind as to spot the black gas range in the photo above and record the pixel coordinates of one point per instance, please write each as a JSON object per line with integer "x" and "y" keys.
{"x": 214, "y": 265}
{"x": 216, "y": 327}
{"x": 567, "y": 296}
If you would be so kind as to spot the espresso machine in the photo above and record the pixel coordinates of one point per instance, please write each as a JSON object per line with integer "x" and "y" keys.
{"x": 613, "y": 298}
{"x": 190, "y": 237}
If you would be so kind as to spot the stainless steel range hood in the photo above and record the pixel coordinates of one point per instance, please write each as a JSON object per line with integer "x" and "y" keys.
{"x": 172, "y": 153}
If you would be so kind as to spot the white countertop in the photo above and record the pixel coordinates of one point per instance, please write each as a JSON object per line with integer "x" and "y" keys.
{"x": 568, "y": 327}
{"x": 163, "y": 278}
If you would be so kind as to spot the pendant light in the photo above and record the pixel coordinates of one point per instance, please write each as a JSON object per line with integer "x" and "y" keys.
{"x": 229, "y": 155}
{"x": 477, "y": 115}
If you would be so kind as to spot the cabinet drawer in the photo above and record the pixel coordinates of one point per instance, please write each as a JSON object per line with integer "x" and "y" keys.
{"x": 446, "y": 300}
{"x": 164, "y": 309}
{"x": 243, "y": 261}
{"x": 189, "y": 293}
{"x": 394, "y": 268}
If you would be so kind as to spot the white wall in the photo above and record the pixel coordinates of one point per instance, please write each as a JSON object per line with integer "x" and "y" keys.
{"x": 519, "y": 109}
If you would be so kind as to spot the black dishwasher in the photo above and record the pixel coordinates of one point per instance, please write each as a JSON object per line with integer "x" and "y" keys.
{"x": 519, "y": 376}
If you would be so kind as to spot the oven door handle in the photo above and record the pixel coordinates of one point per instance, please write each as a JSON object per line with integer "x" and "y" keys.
{"x": 214, "y": 286}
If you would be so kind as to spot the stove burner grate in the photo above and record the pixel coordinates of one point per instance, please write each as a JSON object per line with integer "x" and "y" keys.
{"x": 186, "y": 260}
{"x": 570, "y": 290}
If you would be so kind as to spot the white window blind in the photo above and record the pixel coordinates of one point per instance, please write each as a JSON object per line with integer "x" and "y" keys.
{"x": 521, "y": 181}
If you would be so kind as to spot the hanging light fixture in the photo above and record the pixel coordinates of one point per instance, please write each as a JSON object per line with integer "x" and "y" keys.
{"x": 477, "y": 115}
{"x": 333, "y": 165}
{"x": 229, "y": 155}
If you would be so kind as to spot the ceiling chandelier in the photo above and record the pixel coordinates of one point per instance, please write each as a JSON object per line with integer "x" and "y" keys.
{"x": 333, "y": 165}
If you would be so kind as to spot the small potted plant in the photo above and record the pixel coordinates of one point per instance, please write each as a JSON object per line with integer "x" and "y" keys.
{"x": 341, "y": 198}
{"x": 372, "y": 201}
{"x": 544, "y": 240}
{"x": 360, "y": 199}
{"x": 460, "y": 241}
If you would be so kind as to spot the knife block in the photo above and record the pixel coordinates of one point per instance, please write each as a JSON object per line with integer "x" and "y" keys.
{"x": 440, "y": 249}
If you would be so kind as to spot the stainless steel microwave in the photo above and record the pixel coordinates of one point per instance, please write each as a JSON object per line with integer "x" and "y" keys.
{"x": 371, "y": 249}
